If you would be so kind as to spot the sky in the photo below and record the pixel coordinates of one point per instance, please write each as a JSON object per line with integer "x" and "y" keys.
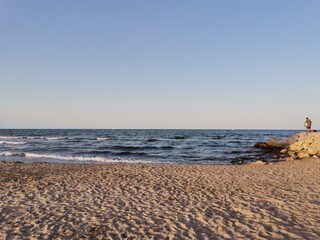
{"x": 183, "y": 64}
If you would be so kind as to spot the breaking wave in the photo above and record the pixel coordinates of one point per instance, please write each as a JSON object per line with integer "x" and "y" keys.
{"x": 102, "y": 138}
{"x": 9, "y": 137}
{"x": 32, "y": 137}
{"x": 72, "y": 158}
{"x": 12, "y": 143}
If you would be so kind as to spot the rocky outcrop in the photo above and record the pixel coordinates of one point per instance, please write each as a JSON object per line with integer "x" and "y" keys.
{"x": 301, "y": 145}
{"x": 307, "y": 145}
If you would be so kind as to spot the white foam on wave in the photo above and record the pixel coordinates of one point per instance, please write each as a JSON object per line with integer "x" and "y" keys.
{"x": 9, "y": 137}
{"x": 72, "y": 158}
{"x": 46, "y": 138}
{"x": 102, "y": 139}
{"x": 32, "y": 137}
{"x": 7, "y": 154}
{"x": 11, "y": 143}
{"x": 55, "y": 138}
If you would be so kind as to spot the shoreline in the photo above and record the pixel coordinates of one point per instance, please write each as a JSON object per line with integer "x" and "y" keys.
{"x": 169, "y": 163}
{"x": 161, "y": 201}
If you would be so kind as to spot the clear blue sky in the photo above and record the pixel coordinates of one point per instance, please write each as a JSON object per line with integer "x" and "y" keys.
{"x": 159, "y": 64}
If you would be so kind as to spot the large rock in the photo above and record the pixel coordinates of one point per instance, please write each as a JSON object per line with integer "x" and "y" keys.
{"x": 282, "y": 143}
{"x": 296, "y": 147}
{"x": 303, "y": 154}
{"x": 309, "y": 141}
{"x": 292, "y": 154}
{"x": 313, "y": 150}
{"x": 261, "y": 145}
{"x": 306, "y": 145}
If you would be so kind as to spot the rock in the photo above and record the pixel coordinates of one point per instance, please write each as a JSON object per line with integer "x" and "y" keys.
{"x": 292, "y": 154}
{"x": 284, "y": 151}
{"x": 309, "y": 141}
{"x": 312, "y": 150}
{"x": 237, "y": 161}
{"x": 261, "y": 159}
{"x": 301, "y": 145}
{"x": 282, "y": 143}
{"x": 316, "y": 143}
{"x": 302, "y": 136}
{"x": 259, "y": 162}
{"x": 307, "y": 145}
{"x": 261, "y": 145}
{"x": 18, "y": 162}
{"x": 276, "y": 156}
{"x": 303, "y": 154}
{"x": 296, "y": 147}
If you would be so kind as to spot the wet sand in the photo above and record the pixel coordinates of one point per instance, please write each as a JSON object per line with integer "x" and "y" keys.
{"x": 136, "y": 201}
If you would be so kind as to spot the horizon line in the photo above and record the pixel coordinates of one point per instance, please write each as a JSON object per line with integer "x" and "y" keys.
{"x": 231, "y": 129}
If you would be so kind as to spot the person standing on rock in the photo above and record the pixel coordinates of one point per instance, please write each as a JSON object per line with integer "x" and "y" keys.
{"x": 307, "y": 124}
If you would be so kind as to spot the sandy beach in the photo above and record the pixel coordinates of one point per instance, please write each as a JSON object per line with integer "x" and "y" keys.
{"x": 160, "y": 201}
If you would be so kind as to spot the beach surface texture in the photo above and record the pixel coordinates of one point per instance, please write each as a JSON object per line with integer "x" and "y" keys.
{"x": 160, "y": 201}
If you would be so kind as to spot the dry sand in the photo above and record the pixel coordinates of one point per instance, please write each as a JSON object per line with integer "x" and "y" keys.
{"x": 123, "y": 201}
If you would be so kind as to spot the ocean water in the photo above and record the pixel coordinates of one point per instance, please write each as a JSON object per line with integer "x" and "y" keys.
{"x": 134, "y": 146}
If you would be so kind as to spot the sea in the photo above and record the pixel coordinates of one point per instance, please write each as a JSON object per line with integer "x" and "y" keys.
{"x": 134, "y": 146}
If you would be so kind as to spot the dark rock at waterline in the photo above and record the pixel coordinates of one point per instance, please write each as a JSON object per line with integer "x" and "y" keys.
{"x": 268, "y": 151}
{"x": 261, "y": 159}
{"x": 18, "y": 162}
{"x": 262, "y": 145}
{"x": 277, "y": 156}
{"x": 267, "y": 148}
{"x": 237, "y": 161}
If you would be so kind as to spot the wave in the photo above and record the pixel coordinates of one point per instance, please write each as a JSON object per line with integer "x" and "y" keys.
{"x": 133, "y": 148}
{"x": 72, "y": 158}
{"x": 127, "y": 153}
{"x": 189, "y": 156}
{"x": 152, "y": 140}
{"x": 32, "y": 137}
{"x": 75, "y": 140}
{"x": 126, "y": 148}
{"x": 207, "y": 158}
{"x": 218, "y": 137}
{"x": 179, "y": 137}
{"x": 96, "y": 152}
{"x": 102, "y": 138}
{"x": 55, "y": 138}
{"x": 12, "y": 154}
{"x": 167, "y": 147}
{"x": 9, "y": 137}
{"x": 234, "y": 152}
{"x": 12, "y": 143}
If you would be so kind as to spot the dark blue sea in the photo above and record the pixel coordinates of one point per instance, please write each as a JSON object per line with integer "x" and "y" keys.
{"x": 134, "y": 146}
